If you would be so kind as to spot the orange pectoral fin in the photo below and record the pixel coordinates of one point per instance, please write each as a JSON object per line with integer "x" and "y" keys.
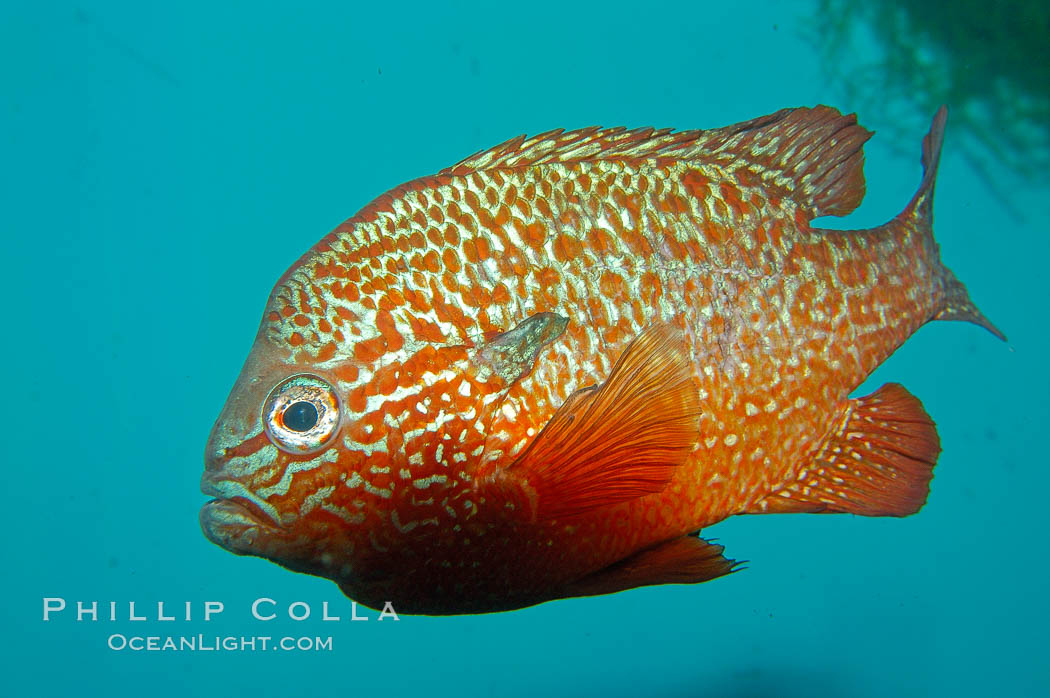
{"x": 878, "y": 462}
{"x": 686, "y": 560}
{"x": 619, "y": 441}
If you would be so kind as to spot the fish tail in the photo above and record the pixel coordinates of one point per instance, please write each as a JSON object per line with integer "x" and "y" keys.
{"x": 953, "y": 300}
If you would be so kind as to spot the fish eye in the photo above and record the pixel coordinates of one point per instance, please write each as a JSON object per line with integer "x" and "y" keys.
{"x": 301, "y": 415}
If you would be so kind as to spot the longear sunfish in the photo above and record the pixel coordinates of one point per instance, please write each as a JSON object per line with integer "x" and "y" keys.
{"x": 541, "y": 372}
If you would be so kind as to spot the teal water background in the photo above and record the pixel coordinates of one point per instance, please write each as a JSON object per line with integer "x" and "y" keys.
{"x": 163, "y": 164}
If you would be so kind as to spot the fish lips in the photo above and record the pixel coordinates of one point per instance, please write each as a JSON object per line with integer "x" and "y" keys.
{"x": 236, "y": 520}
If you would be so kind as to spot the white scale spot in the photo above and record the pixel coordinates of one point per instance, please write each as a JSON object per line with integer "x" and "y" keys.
{"x": 750, "y": 409}
{"x": 425, "y": 482}
{"x": 352, "y": 519}
{"x": 464, "y": 389}
{"x": 730, "y": 439}
{"x": 384, "y": 492}
{"x": 312, "y": 501}
{"x": 403, "y": 527}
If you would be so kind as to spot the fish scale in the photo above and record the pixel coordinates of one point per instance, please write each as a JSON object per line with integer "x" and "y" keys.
{"x": 461, "y": 316}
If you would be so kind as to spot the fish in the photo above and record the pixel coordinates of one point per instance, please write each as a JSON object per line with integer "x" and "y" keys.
{"x": 542, "y": 372}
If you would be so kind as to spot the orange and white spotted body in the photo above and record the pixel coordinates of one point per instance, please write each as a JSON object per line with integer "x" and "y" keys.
{"x": 540, "y": 372}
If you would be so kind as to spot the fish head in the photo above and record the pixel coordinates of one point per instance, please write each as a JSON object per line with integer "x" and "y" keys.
{"x": 279, "y": 418}
{"x": 348, "y": 428}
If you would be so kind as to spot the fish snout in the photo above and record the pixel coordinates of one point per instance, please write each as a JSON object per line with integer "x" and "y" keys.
{"x": 214, "y": 453}
{"x": 224, "y": 442}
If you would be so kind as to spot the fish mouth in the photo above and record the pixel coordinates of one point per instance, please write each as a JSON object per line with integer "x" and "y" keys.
{"x": 237, "y": 518}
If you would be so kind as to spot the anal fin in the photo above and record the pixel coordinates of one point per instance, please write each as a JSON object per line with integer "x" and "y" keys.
{"x": 878, "y": 461}
{"x": 685, "y": 560}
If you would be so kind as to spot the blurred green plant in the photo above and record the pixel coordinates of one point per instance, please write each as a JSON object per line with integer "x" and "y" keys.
{"x": 988, "y": 60}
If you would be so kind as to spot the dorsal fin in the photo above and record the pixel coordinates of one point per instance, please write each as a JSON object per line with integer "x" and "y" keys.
{"x": 813, "y": 155}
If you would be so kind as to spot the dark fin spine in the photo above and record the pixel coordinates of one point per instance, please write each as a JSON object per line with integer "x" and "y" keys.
{"x": 878, "y": 461}
{"x": 954, "y": 303}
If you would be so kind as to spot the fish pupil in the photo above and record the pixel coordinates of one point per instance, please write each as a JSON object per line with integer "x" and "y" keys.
{"x": 300, "y": 416}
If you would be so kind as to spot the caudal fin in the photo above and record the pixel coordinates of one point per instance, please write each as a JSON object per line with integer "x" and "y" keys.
{"x": 955, "y": 301}
{"x": 958, "y": 306}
